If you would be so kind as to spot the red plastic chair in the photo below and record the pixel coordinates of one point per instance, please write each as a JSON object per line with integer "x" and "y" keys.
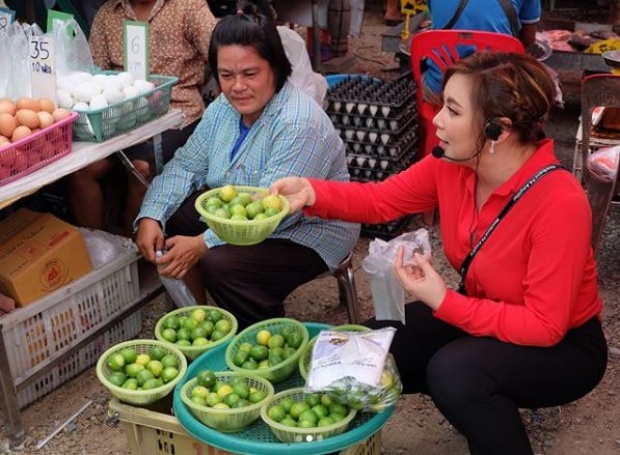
{"x": 441, "y": 46}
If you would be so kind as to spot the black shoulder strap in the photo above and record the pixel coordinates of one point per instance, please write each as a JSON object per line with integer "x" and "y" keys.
{"x": 511, "y": 14}
{"x": 457, "y": 14}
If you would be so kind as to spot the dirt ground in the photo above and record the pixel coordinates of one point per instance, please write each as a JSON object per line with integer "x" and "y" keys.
{"x": 588, "y": 426}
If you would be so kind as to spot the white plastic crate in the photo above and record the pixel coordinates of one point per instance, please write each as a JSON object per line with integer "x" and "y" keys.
{"x": 45, "y": 329}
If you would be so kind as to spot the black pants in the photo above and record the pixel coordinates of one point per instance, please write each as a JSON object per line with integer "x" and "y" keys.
{"x": 479, "y": 383}
{"x": 249, "y": 281}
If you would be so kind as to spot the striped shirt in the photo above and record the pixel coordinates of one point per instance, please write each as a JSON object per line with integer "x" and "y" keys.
{"x": 292, "y": 137}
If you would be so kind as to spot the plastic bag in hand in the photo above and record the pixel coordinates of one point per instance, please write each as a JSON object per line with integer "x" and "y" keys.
{"x": 176, "y": 289}
{"x": 388, "y": 295}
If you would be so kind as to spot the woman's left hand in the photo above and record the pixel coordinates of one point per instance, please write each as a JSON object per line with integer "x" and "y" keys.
{"x": 181, "y": 256}
{"x": 420, "y": 279}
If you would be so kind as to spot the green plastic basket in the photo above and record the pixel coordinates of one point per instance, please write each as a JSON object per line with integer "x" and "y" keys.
{"x": 237, "y": 232}
{"x": 228, "y": 420}
{"x": 191, "y": 352}
{"x": 282, "y": 370}
{"x": 288, "y": 434}
{"x": 98, "y": 125}
{"x": 306, "y": 355}
{"x": 139, "y": 397}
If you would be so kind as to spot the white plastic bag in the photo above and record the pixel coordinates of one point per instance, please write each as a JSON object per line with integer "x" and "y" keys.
{"x": 176, "y": 289}
{"x": 387, "y": 293}
{"x": 104, "y": 247}
{"x": 72, "y": 50}
{"x": 604, "y": 162}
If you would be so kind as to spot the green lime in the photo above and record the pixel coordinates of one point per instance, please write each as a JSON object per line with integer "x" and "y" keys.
{"x": 169, "y": 335}
{"x": 216, "y": 335}
{"x": 115, "y": 362}
{"x": 168, "y": 374}
{"x": 241, "y": 389}
{"x": 250, "y": 365}
{"x": 276, "y": 413}
{"x": 213, "y": 399}
{"x": 157, "y": 352}
{"x": 294, "y": 339}
{"x": 206, "y": 378}
{"x": 231, "y": 399}
{"x": 242, "y": 403}
{"x": 288, "y": 421}
{"x": 313, "y": 399}
{"x": 130, "y": 384}
{"x": 183, "y": 343}
{"x": 274, "y": 359}
{"x": 259, "y": 352}
{"x": 276, "y": 341}
{"x": 240, "y": 357}
{"x": 198, "y": 314}
{"x": 169, "y": 360}
{"x": 336, "y": 416}
{"x": 199, "y": 332}
{"x": 190, "y": 324}
{"x": 257, "y": 396}
{"x": 129, "y": 355}
{"x": 184, "y": 334}
{"x": 117, "y": 378}
{"x": 271, "y": 211}
{"x": 286, "y": 403}
{"x": 223, "y": 325}
{"x": 199, "y": 391}
{"x": 227, "y": 193}
{"x": 152, "y": 383}
{"x": 306, "y": 424}
{"x": 171, "y": 322}
{"x": 208, "y": 326}
{"x": 309, "y": 416}
{"x": 224, "y": 390}
{"x": 144, "y": 376}
{"x": 213, "y": 201}
{"x": 200, "y": 401}
{"x": 325, "y": 422}
{"x": 297, "y": 408}
{"x": 285, "y": 331}
{"x": 214, "y": 316}
{"x": 338, "y": 409}
{"x": 320, "y": 410}
{"x": 246, "y": 346}
{"x": 133, "y": 369}
{"x": 155, "y": 367}
{"x": 200, "y": 341}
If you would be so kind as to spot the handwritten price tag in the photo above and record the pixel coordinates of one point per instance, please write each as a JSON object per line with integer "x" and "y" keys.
{"x": 7, "y": 16}
{"x": 137, "y": 57}
{"x": 42, "y": 67}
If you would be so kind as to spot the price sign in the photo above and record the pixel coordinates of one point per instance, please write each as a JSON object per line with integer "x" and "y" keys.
{"x": 137, "y": 56}
{"x": 42, "y": 62}
{"x": 7, "y": 16}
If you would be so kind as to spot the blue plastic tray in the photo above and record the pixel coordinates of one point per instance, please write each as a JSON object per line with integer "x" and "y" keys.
{"x": 257, "y": 439}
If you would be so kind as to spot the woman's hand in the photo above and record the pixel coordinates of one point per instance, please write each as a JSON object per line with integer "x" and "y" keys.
{"x": 150, "y": 238}
{"x": 181, "y": 256}
{"x": 297, "y": 190}
{"x": 420, "y": 279}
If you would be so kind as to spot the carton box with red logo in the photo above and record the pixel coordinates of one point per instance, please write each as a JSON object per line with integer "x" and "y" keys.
{"x": 39, "y": 253}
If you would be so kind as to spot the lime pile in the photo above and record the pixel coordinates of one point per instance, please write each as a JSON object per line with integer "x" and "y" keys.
{"x": 269, "y": 349}
{"x": 310, "y": 411}
{"x": 242, "y": 206}
{"x": 200, "y": 328}
{"x": 217, "y": 394}
{"x": 146, "y": 371}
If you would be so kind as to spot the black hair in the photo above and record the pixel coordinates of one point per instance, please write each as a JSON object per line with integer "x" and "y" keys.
{"x": 252, "y": 29}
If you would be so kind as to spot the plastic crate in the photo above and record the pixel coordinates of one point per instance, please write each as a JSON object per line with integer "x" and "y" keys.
{"x": 36, "y": 151}
{"x": 99, "y": 125}
{"x": 154, "y": 431}
{"x": 47, "y": 328}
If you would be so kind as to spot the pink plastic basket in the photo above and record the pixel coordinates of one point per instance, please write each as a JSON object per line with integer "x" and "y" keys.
{"x": 37, "y": 150}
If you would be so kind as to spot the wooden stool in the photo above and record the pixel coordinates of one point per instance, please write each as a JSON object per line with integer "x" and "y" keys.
{"x": 346, "y": 287}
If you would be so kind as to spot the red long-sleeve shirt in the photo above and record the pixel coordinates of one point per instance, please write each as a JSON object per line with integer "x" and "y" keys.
{"x": 533, "y": 279}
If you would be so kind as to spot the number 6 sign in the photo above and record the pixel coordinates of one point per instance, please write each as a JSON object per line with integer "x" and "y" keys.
{"x": 137, "y": 57}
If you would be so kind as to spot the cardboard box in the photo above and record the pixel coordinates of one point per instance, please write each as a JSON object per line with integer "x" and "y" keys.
{"x": 39, "y": 253}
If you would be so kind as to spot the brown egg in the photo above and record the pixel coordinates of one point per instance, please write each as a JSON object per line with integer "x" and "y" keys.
{"x": 7, "y": 124}
{"x": 47, "y": 105}
{"x": 60, "y": 114}
{"x": 45, "y": 119}
{"x": 4, "y": 141}
{"x": 27, "y": 103}
{"x": 27, "y": 117}
{"x": 20, "y": 133}
{"x": 7, "y": 107}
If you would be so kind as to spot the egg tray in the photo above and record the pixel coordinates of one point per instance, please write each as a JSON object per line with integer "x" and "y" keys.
{"x": 371, "y": 97}
{"x": 367, "y": 140}
{"x": 36, "y": 151}
{"x": 365, "y": 125}
{"x": 386, "y": 231}
{"x": 379, "y": 173}
{"x": 385, "y": 163}
{"x": 98, "y": 125}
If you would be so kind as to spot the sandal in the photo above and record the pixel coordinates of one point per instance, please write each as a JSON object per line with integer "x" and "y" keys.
{"x": 393, "y": 22}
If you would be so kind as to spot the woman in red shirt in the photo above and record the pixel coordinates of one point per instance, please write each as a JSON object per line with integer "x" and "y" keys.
{"x": 524, "y": 329}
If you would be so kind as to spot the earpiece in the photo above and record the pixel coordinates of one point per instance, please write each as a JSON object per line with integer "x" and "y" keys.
{"x": 492, "y": 129}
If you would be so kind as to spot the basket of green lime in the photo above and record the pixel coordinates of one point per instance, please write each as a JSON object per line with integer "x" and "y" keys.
{"x": 196, "y": 329}
{"x": 141, "y": 372}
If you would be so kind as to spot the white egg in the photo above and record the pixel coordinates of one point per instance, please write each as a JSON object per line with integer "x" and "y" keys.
{"x": 126, "y": 78}
{"x": 81, "y": 76}
{"x": 143, "y": 112}
{"x": 143, "y": 86}
{"x": 101, "y": 79}
{"x": 64, "y": 83}
{"x": 86, "y": 91}
{"x": 98, "y": 102}
{"x": 64, "y": 99}
{"x": 112, "y": 95}
{"x": 130, "y": 92}
{"x": 113, "y": 82}
{"x": 81, "y": 107}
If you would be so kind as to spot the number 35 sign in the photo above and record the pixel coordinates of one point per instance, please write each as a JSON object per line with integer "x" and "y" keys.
{"x": 42, "y": 64}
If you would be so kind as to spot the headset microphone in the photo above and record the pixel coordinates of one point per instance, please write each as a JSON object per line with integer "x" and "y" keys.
{"x": 491, "y": 131}
{"x": 439, "y": 153}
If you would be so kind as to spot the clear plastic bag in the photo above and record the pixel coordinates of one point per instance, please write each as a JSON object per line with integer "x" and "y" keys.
{"x": 72, "y": 50}
{"x": 355, "y": 369}
{"x": 176, "y": 289}
{"x": 387, "y": 293}
{"x": 104, "y": 247}
{"x": 604, "y": 162}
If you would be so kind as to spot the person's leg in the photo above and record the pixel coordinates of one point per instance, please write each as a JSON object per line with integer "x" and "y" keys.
{"x": 85, "y": 194}
{"x": 416, "y": 342}
{"x": 135, "y": 194}
{"x": 479, "y": 384}
{"x": 252, "y": 281}
{"x": 392, "y": 14}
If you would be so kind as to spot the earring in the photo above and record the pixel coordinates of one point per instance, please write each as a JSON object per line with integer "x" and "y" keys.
{"x": 492, "y": 149}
